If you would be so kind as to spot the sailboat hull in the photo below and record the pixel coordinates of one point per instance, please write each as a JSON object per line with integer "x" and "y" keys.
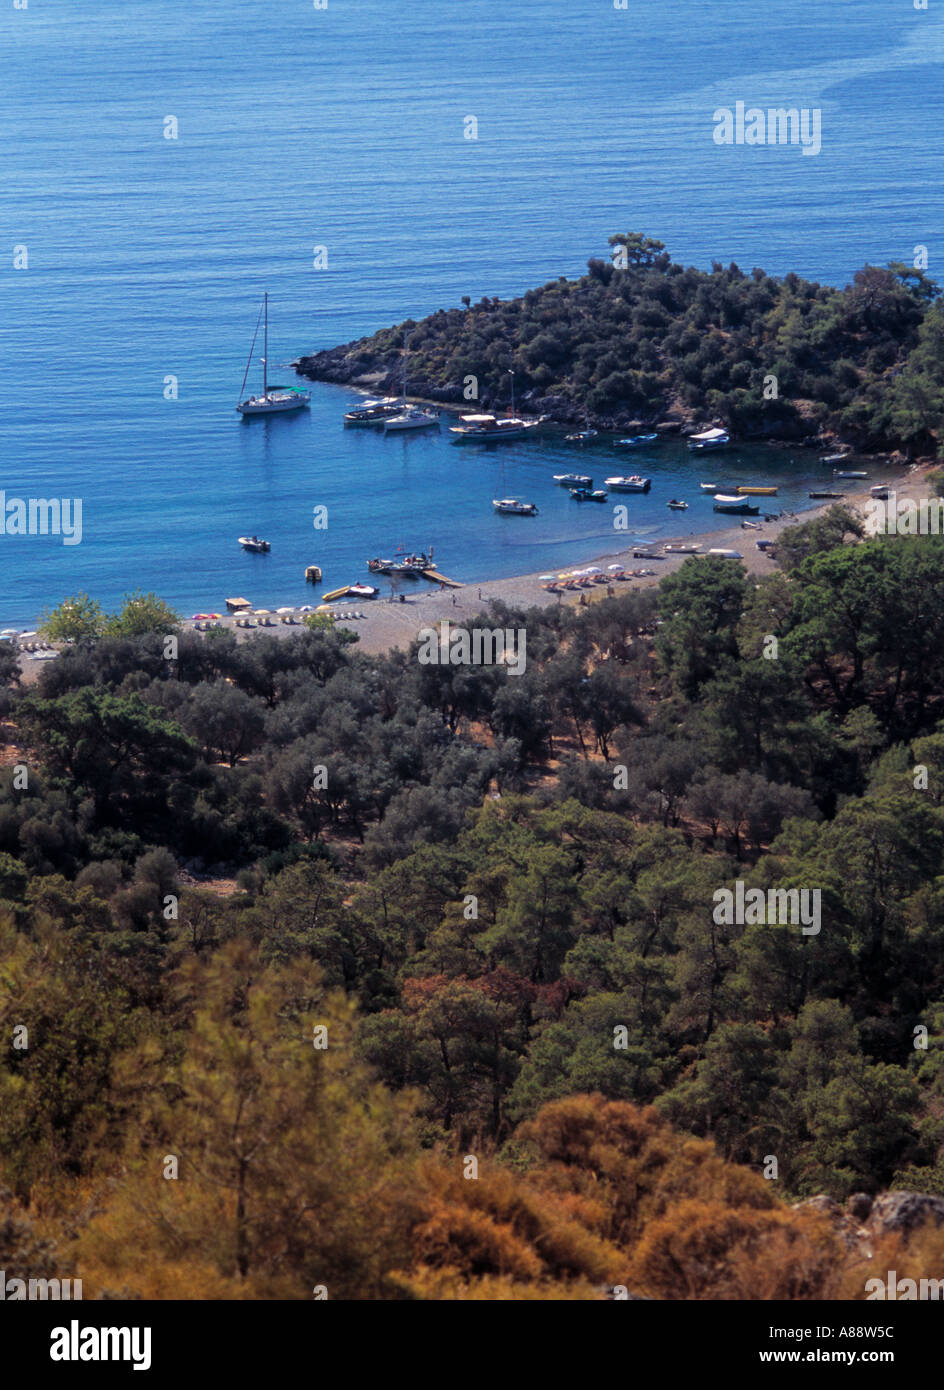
{"x": 272, "y": 405}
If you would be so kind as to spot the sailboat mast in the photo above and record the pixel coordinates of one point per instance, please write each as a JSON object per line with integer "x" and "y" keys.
{"x": 404, "y": 366}
{"x": 265, "y": 348}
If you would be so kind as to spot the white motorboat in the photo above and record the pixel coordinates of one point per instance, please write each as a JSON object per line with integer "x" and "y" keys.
{"x": 275, "y": 400}
{"x": 255, "y": 544}
{"x": 709, "y": 440}
{"x": 631, "y": 483}
{"x": 373, "y": 412}
{"x": 708, "y": 487}
{"x": 743, "y": 506}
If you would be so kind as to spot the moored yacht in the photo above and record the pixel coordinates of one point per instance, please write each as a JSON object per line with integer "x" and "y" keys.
{"x": 485, "y": 429}
{"x": 409, "y": 419}
{"x": 274, "y": 399}
{"x": 513, "y": 507}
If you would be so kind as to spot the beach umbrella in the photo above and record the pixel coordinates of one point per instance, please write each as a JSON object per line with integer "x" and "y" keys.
{"x": 612, "y": 568}
{"x": 212, "y": 615}
{"x": 285, "y": 610}
{"x": 198, "y": 616}
{"x": 592, "y": 569}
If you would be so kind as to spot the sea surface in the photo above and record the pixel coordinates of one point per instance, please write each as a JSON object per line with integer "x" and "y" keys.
{"x": 342, "y": 127}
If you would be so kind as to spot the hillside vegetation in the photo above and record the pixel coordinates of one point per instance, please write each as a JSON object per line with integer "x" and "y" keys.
{"x": 656, "y": 342}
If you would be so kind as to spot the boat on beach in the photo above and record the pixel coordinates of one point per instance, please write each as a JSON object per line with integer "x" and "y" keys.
{"x": 631, "y": 483}
{"x": 709, "y": 440}
{"x": 274, "y": 400}
{"x": 683, "y": 549}
{"x": 834, "y": 458}
{"x": 821, "y": 494}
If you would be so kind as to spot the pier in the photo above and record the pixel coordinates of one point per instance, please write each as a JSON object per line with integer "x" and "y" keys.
{"x": 438, "y": 578}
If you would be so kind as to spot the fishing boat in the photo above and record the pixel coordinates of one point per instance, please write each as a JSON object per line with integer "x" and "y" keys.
{"x": 275, "y": 399}
{"x": 709, "y": 440}
{"x": 848, "y": 473}
{"x": 822, "y": 494}
{"x": 254, "y": 543}
{"x": 573, "y": 480}
{"x": 511, "y": 506}
{"x": 708, "y": 487}
{"x": 740, "y": 505}
{"x": 677, "y": 506}
{"x": 586, "y": 494}
{"x": 756, "y": 491}
{"x": 632, "y": 483}
{"x": 408, "y": 417}
{"x": 635, "y": 441}
{"x": 373, "y": 412}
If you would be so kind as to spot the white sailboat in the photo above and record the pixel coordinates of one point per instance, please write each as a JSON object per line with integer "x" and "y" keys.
{"x": 278, "y": 399}
{"x": 410, "y": 417}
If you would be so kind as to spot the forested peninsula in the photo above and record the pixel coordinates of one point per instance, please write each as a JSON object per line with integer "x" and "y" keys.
{"x": 640, "y": 340}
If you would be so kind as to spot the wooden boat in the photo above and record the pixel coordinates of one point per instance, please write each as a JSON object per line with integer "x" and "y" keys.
{"x": 756, "y": 491}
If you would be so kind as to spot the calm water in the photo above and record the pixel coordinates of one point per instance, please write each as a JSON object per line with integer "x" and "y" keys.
{"x": 343, "y": 128}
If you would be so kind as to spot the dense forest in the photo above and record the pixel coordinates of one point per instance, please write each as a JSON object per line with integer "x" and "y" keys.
{"x": 405, "y": 980}
{"x": 642, "y": 340}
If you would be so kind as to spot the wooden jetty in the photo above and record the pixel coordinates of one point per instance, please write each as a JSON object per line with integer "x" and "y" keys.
{"x": 438, "y": 578}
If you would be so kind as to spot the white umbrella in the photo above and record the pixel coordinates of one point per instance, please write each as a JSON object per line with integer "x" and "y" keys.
{"x": 614, "y": 567}
{"x": 285, "y": 610}
{"x": 592, "y": 569}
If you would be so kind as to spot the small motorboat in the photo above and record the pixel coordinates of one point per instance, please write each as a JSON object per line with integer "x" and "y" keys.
{"x": 677, "y": 506}
{"x": 739, "y": 505}
{"x": 373, "y": 412}
{"x": 635, "y": 441}
{"x": 708, "y": 487}
{"x": 512, "y": 506}
{"x": 255, "y": 544}
{"x": 586, "y": 494}
{"x": 362, "y": 590}
{"x": 848, "y": 473}
{"x": 573, "y": 480}
{"x": 631, "y": 483}
{"x": 833, "y": 458}
{"x": 709, "y": 440}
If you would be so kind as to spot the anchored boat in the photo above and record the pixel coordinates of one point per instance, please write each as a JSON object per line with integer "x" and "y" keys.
{"x": 276, "y": 399}
{"x": 511, "y": 506}
{"x": 573, "y": 480}
{"x": 635, "y": 441}
{"x": 739, "y": 505}
{"x": 632, "y": 483}
{"x": 254, "y": 543}
{"x": 373, "y": 412}
{"x": 709, "y": 440}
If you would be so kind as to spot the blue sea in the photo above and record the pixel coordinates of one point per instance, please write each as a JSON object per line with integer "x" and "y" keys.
{"x": 343, "y": 127}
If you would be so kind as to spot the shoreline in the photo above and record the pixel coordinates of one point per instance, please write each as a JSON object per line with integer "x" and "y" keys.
{"x": 384, "y": 625}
